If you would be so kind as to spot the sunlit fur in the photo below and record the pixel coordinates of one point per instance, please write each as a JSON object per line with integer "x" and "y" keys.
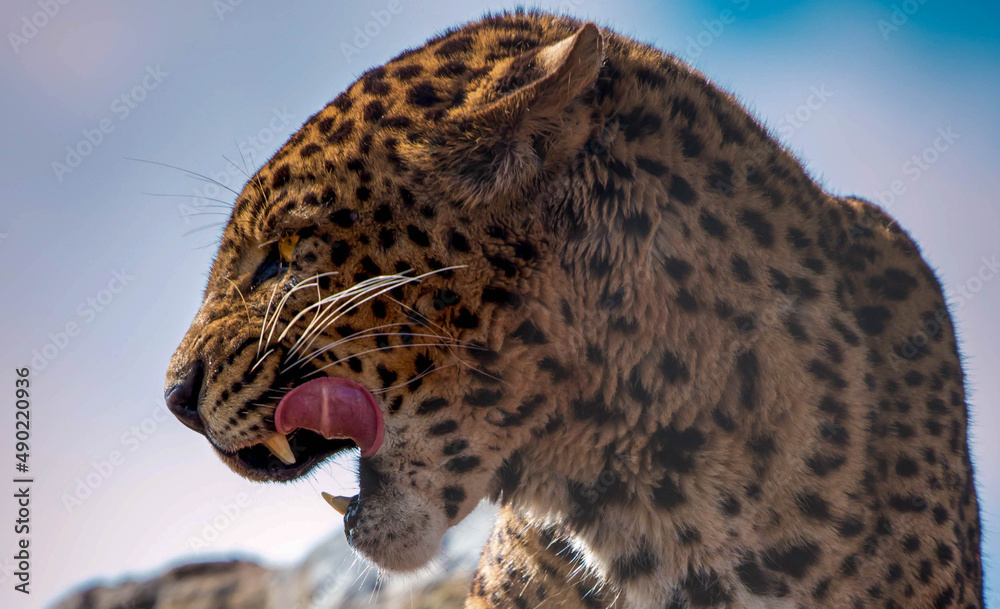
{"x": 585, "y": 283}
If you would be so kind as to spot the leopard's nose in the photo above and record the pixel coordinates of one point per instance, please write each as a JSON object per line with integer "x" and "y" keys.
{"x": 182, "y": 398}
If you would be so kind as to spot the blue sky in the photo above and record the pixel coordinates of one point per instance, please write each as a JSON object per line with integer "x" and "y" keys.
{"x": 855, "y": 88}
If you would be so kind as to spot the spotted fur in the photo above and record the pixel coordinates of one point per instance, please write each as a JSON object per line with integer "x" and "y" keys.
{"x": 689, "y": 376}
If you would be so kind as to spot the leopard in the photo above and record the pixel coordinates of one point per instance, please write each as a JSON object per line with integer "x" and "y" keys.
{"x": 537, "y": 263}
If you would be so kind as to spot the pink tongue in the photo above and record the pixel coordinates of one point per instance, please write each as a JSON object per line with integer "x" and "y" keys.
{"x": 333, "y": 408}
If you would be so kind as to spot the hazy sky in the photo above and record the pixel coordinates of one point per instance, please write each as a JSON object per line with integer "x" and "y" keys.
{"x": 856, "y": 88}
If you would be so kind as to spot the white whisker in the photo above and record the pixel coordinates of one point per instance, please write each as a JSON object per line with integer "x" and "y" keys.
{"x": 284, "y": 299}
{"x": 356, "y": 336}
{"x": 355, "y": 293}
{"x": 240, "y": 292}
{"x": 225, "y": 204}
{"x": 203, "y": 227}
{"x": 390, "y": 347}
{"x": 336, "y": 343}
{"x": 260, "y": 359}
{"x": 260, "y": 341}
{"x": 398, "y": 280}
{"x": 311, "y": 334}
{"x": 187, "y": 171}
{"x": 419, "y": 376}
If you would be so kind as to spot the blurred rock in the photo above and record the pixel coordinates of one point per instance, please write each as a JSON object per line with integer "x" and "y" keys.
{"x": 330, "y": 577}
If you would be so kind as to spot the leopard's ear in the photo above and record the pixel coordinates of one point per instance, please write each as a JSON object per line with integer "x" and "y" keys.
{"x": 523, "y": 120}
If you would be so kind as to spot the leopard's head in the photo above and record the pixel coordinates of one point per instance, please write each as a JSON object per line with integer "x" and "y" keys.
{"x": 375, "y": 284}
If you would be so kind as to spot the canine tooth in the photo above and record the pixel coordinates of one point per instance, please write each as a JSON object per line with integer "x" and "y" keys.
{"x": 338, "y": 503}
{"x": 278, "y": 445}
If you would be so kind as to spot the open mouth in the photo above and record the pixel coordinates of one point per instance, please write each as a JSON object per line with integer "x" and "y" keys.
{"x": 315, "y": 420}
{"x": 307, "y": 449}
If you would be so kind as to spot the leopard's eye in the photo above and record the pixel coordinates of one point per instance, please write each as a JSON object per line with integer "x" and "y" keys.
{"x": 278, "y": 260}
{"x": 286, "y": 247}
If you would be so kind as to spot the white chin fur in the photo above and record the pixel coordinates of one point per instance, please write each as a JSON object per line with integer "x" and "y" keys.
{"x": 399, "y": 530}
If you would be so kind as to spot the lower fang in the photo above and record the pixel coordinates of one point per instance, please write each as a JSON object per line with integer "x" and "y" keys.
{"x": 338, "y": 503}
{"x": 278, "y": 445}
